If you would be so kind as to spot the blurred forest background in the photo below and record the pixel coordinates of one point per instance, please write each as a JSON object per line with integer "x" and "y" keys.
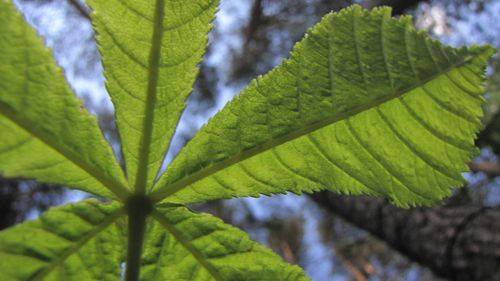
{"x": 333, "y": 237}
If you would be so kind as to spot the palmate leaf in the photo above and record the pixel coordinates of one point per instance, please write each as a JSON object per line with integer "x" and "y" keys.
{"x": 46, "y": 133}
{"x": 82, "y": 241}
{"x": 206, "y": 249}
{"x": 85, "y": 241}
{"x": 150, "y": 53}
{"x": 365, "y": 105}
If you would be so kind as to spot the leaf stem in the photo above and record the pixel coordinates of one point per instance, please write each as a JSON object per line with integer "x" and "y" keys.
{"x": 138, "y": 208}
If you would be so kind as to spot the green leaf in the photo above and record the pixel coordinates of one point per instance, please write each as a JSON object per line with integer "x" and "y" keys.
{"x": 46, "y": 132}
{"x": 82, "y": 241}
{"x": 365, "y": 105}
{"x": 150, "y": 53}
{"x": 181, "y": 245}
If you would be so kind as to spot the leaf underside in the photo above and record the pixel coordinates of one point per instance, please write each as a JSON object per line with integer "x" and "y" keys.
{"x": 46, "y": 134}
{"x": 82, "y": 241}
{"x": 365, "y": 105}
{"x": 206, "y": 249}
{"x": 86, "y": 241}
{"x": 150, "y": 53}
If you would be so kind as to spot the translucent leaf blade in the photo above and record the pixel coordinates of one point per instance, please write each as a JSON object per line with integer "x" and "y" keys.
{"x": 150, "y": 53}
{"x": 206, "y": 249}
{"x": 365, "y": 105}
{"x": 46, "y": 133}
{"x": 82, "y": 241}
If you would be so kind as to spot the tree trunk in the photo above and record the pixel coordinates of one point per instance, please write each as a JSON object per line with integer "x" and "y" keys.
{"x": 456, "y": 242}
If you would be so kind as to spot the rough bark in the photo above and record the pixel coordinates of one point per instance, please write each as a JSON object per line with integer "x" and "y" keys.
{"x": 459, "y": 242}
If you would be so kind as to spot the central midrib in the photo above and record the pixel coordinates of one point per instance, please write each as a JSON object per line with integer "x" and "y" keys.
{"x": 153, "y": 69}
{"x": 168, "y": 190}
{"x": 112, "y": 184}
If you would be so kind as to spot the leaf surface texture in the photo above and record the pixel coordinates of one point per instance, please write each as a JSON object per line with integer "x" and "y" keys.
{"x": 82, "y": 241}
{"x": 182, "y": 245}
{"x": 150, "y": 53}
{"x": 46, "y": 133}
{"x": 365, "y": 105}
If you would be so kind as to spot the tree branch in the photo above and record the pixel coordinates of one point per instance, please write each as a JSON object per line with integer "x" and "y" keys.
{"x": 457, "y": 242}
{"x": 489, "y": 168}
{"x": 81, "y": 8}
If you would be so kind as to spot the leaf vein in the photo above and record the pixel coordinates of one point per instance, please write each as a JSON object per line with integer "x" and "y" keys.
{"x": 332, "y": 162}
{"x": 382, "y": 163}
{"x": 444, "y": 138}
{"x": 427, "y": 159}
{"x": 77, "y": 246}
{"x": 177, "y": 234}
{"x": 110, "y": 183}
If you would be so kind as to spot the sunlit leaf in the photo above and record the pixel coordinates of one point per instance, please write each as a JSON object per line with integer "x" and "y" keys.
{"x": 82, "y": 241}
{"x": 365, "y": 105}
{"x": 46, "y": 133}
{"x": 182, "y": 245}
{"x": 150, "y": 53}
